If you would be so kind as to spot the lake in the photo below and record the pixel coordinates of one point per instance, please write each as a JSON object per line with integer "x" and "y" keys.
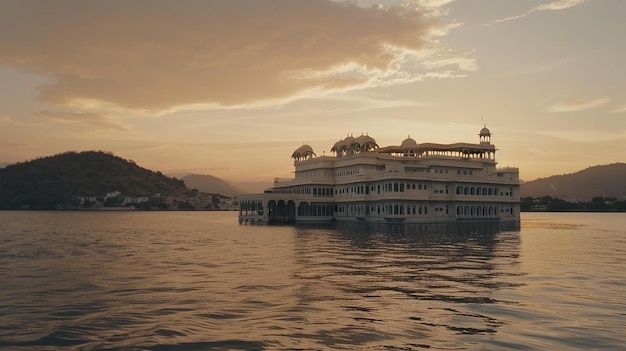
{"x": 202, "y": 281}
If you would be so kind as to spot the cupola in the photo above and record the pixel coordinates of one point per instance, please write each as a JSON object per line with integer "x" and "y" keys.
{"x": 485, "y": 135}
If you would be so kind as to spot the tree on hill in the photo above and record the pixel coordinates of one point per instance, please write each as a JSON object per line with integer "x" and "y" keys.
{"x": 45, "y": 182}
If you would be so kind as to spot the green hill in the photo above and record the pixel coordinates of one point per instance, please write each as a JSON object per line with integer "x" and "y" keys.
{"x": 45, "y": 182}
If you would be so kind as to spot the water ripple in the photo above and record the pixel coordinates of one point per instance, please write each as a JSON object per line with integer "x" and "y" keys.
{"x": 199, "y": 281}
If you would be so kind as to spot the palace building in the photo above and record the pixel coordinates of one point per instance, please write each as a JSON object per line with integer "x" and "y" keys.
{"x": 410, "y": 183}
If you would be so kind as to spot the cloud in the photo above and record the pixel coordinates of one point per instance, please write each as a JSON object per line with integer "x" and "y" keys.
{"x": 559, "y": 5}
{"x": 7, "y": 120}
{"x": 156, "y": 55}
{"x": 89, "y": 118}
{"x": 553, "y": 6}
{"x": 578, "y": 105}
{"x": 586, "y": 136}
{"x": 619, "y": 109}
{"x": 434, "y": 3}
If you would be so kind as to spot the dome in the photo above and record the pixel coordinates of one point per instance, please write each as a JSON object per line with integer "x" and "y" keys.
{"x": 409, "y": 143}
{"x": 365, "y": 142}
{"x": 303, "y": 152}
{"x": 348, "y": 140}
{"x": 484, "y": 131}
{"x": 342, "y": 147}
{"x": 364, "y": 139}
{"x": 338, "y": 145}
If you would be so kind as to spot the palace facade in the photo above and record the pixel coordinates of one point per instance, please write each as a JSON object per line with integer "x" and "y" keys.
{"x": 409, "y": 183}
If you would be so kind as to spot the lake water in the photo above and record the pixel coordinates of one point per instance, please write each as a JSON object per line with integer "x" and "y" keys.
{"x": 201, "y": 281}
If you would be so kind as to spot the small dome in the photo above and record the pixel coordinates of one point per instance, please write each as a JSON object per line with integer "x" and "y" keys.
{"x": 364, "y": 139}
{"x": 366, "y": 142}
{"x": 303, "y": 152}
{"x": 409, "y": 143}
{"x": 348, "y": 140}
{"x": 338, "y": 145}
{"x": 484, "y": 132}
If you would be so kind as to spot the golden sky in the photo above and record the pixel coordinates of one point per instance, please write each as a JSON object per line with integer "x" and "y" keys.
{"x": 232, "y": 87}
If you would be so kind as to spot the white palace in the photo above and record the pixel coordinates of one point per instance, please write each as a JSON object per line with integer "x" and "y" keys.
{"x": 410, "y": 183}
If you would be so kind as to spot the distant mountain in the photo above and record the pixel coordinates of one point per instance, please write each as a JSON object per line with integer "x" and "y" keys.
{"x": 59, "y": 179}
{"x": 253, "y": 187}
{"x": 4, "y": 164}
{"x": 606, "y": 180}
{"x": 212, "y": 185}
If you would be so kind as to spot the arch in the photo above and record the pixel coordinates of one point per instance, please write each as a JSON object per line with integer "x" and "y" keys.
{"x": 304, "y": 209}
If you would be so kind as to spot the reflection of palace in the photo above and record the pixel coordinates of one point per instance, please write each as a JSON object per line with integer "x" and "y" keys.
{"x": 411, "y": 183}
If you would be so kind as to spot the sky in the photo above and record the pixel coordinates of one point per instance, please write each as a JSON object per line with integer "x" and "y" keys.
{"x": 231, "y": 88}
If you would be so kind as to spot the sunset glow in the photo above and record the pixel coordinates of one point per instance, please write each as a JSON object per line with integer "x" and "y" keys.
{"x": 231, "y": 88}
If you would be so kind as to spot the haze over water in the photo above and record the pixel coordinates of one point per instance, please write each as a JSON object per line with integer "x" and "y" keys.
{"x": 201, "y": 281}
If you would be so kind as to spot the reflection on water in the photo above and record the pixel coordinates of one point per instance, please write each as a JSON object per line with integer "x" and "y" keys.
{"x": 403, "y": 286}
{"x": 200, "y": 281}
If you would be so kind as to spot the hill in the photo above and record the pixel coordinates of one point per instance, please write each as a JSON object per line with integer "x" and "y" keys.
{"x": 59, "y": 179}
{"x": 606, "y": 180}
{"x": 254, "y": 187}
{"x": 212, "y": 185}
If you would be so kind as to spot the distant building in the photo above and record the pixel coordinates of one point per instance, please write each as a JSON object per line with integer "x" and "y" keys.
{"x": 113, "y": 195}
{"x": 135, "y": 200}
